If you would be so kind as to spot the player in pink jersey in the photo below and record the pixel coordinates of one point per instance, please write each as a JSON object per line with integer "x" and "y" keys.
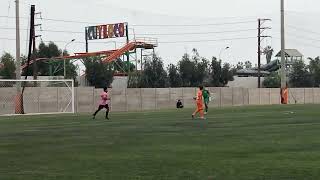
{"x": 103, "y": 103}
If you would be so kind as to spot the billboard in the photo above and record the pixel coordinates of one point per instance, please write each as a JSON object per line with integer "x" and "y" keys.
{"x": 106, "y": 31}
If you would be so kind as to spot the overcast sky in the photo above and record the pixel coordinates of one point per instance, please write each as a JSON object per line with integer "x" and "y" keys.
{"x": 224, "y": 23}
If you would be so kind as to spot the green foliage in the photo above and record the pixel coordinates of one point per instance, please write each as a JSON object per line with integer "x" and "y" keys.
{"x": 52, "y": 67}
{"x": 98, "y": 74}
{"x": 154, "y": 74}
{"x": 248, "y": 64}
{"x": 220, "y": 76}
{"x": 186, "y": 70}
{"x": 174, "y": 76}
{"x": 272, "y": 81}
{"x": 268, "y": 51}
{"x": 227, "y": 74}
{"x": 300, "y": 76}
{"x": 193, "y": 71}
{"x": 314, "y": 67}
{"x": 8, "y": 69}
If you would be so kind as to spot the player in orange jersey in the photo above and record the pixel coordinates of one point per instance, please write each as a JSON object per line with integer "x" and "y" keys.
{"x": 199, "y": 102}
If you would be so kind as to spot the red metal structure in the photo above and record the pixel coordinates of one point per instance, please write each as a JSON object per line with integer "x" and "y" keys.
{"x": 110, "y": 55}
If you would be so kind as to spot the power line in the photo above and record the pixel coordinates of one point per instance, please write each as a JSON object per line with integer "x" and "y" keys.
{"x": 161, "y": 42}
{"x": 147, "y": 34}
{"x": 303, "y": 29}
{"x": 48, "y": 41}
{"x": 142, "y": 25}
{"x": 210, "y": 40}
{"x": 197, "y": 33}
{"x": 193, "y": 25}
{"x": 300, "y": 42}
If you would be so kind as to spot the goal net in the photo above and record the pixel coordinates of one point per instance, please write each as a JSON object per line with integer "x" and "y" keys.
{"x": 36, "y": 97}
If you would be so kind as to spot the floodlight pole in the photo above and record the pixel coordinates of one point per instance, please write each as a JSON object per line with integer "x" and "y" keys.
{"x": 64, "y": 60}
{"x": 18, "y": 58}
{"x": 222, "y": 51}
{"x": 283, "y": 58}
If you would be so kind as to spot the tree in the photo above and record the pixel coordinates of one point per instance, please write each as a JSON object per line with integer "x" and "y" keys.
{"x": 8, "y": 69}
{"x": 174, "y": 76}
{"x": 227, "y": 74}
{"x": 300, "y": 76}
{"x": 186, "y": 70}
{"x": 240, "y": 66}
{"x": 314, "y": 67}
{"x": 52, "y": 67}
{"x": 272, "y": 81}
{"x": 220, "y": 76}
{"x": 154, "y": 75}
{"x": 98, "y": 74}
{"x": 248, "y": 65}
{"x": 268, "y": 51}
{"x": 194, "y": 71}
{"x": 216, "y": 72}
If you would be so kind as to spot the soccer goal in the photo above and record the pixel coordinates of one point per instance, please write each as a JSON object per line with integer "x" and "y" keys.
{"x": 34, "y": 97}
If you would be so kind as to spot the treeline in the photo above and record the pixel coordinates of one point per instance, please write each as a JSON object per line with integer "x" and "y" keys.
{"x": 191, "y": 71}
{"x": 300, "y": 75}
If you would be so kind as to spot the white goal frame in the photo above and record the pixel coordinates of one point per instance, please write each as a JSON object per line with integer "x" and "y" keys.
{"x": 68, "y": 82}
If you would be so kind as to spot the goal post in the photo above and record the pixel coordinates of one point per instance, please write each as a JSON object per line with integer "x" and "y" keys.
{"x": 36, "y": 97}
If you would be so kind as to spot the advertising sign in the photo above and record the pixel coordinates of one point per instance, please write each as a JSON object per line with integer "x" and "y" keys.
{"x": 106, "y": 31}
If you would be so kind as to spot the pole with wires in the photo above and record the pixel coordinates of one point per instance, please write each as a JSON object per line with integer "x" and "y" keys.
{"x": 283, "y": 58}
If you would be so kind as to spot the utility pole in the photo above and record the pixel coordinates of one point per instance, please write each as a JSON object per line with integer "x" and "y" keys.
{"x": 260, "y": 37}
{"x": 283, "y": 58}
{"x": 87, "y": 43}
{"x": 18, "y": 58}
{"x": 32, "y": 25}
{"x": 34, "y": 55}
{"x": 128, "y": 53}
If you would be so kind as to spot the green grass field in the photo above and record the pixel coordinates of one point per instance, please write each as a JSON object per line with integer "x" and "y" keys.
{"x": 272, "y": 142}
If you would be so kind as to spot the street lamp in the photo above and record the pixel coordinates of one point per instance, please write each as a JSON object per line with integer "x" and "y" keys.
{"x": 226, "y": 48}
{"x": 64, "y": 60}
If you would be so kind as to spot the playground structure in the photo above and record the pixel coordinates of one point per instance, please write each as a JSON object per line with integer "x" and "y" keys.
{"x": 291, "y": 55}
{"x": 266, "y": 70}
{"x": 129, "y": 49}
{"x": 108, "y": 56}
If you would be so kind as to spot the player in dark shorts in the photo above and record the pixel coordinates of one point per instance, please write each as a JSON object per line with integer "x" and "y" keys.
{"x": 103, "y": 103}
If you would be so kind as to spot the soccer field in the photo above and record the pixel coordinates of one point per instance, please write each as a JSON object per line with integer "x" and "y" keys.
{"x": 271, "y": 142}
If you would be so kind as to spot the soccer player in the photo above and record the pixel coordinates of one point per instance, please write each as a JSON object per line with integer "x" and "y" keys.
{"x": 199, "y": 102}
{"x": 206, "y": 98}
{"x": 103, "y": 103}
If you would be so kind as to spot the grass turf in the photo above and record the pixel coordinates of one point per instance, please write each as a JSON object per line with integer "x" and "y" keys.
{"x": 272, "y": 142}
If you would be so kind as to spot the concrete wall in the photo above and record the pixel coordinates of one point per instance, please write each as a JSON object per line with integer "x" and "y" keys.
{"x": 57, "y": 99}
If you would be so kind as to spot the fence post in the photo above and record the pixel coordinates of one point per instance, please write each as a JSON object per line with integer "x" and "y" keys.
{"x": 170, "y": 96}
{"x": 38, "y": 98}
{"x": 141, "y": 99}
{"x": 259, "y": 96}
{"x": 126, "y": 94}
{"x": 183, "y": 96}
{"x": 269, "y": 96}
{"x": 232, "y": 96}
{"x": 93, "y": 98}
{"x": 156, "y": 100}
{"x": 58, "y": 99}
{"x": 313, "y": 96}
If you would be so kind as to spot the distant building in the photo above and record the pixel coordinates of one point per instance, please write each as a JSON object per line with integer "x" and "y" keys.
{"x": 291, "y": 55}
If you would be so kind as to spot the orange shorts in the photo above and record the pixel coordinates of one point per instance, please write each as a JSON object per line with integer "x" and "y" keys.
{"x": 200, "y": 106}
